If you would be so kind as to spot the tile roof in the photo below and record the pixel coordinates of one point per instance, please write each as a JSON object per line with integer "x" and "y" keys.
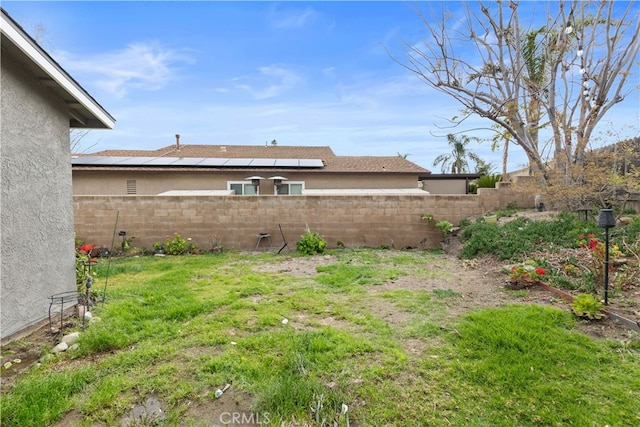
{"x": 333, "y": 163}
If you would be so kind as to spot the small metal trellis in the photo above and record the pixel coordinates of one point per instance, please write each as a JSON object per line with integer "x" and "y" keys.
{"x": 68, "y": 299}
{"x": 61, "y": 300}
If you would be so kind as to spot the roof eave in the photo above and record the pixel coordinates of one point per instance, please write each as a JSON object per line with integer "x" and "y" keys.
{"x": 84, "y": 111}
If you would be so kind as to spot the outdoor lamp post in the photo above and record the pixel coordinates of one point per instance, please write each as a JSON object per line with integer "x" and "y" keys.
{"x": 606, "y": 220}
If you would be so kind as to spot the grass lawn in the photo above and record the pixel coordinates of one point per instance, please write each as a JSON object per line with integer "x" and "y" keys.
{"x": 295, "y": 348}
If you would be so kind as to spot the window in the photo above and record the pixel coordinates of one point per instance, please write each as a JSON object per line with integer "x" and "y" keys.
{"x": 290, "y": 188}
{"x": 242, "y": 188}
{"x": 131, "y": 186}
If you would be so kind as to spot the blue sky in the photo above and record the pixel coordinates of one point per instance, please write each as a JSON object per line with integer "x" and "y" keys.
{"x": 302, "y": 73}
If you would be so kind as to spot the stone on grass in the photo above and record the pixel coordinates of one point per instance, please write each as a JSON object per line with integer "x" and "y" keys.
{"x": 63, "y": 346}
{"x": 71, "y": 338}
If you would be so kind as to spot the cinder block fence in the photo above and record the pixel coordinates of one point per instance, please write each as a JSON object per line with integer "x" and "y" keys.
{"x": 390, "y": 220}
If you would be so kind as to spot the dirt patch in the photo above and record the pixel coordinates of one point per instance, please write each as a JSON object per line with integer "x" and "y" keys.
{"x": 298, "y": 266}
{"x": 231, "y": 408}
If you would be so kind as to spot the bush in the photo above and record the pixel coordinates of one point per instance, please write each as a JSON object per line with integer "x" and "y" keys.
{"x": 485, "y": 181}
{"x": 176, "y": 245}
{"x": 445, "y": 227}
{"x": 521, "y": 236}
{"x": 311, "y": 243}
{"x": 488, "y": 181}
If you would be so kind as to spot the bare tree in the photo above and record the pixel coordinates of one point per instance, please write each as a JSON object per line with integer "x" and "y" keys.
{"x": 565, "y": 74}
{"x": 76, "y": 138}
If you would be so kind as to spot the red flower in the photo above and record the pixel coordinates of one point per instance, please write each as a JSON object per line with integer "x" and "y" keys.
{"x": 591, "y": 235}
{"x": 86, "y": 249}
{"x": 593, "y": 243}
{"x": 541, "y": 271}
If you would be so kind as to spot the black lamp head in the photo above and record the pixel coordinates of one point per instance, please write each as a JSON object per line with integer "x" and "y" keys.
{"x": 606, "y": 218}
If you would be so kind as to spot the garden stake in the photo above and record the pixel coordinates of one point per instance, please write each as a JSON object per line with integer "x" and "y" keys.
{"x": 113, "y": 239}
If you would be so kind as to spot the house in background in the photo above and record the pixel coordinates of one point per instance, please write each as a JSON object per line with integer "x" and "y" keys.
{"x": 242, "y": 170}
{"x": 40, "y": 102}
{"x": 448, "y": 183}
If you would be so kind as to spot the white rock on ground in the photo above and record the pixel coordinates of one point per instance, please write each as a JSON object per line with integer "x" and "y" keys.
{"x": 71, "y": 338}
{"x": 63, "y": 346}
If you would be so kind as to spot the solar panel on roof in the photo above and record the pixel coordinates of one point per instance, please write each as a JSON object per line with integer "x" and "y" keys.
{"x": 187, "y": 161}
{"x": 238, "y": 162}
{"x": 85, "y": 160}
{"x": 195, "y": 161}
{"x": 213, "y": 162}
{"x": 155, "y": 161}
{"x": 311, "y": 163}
{"x": 286, "y": 163}
{"x": 124, "y": 161}
{"x": 262, "y": 162}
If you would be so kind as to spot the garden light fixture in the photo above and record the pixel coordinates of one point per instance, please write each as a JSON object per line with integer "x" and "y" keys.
{"x": 606, "y": 220}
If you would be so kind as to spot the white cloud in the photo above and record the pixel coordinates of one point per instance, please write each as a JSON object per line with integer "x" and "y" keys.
{"x": 140, "y": 66}
{"x": 273, "y": 81}
{"x": 293, "y": 18}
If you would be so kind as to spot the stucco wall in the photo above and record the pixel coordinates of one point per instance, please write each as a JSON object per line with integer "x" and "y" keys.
{"x": 372, "y": 221}
{"x": 152, "y": 183}
{"x": 445, "y": 186}
{"x": 37, "y": 252}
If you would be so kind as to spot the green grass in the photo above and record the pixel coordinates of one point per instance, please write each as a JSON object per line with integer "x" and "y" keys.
{"x": 178, "y": 328}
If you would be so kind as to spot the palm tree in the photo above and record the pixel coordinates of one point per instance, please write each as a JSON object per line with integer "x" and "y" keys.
{"x": 457, "y": 161}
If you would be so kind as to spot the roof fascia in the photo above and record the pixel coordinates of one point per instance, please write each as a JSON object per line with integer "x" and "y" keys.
{"x": 39, "y": 57}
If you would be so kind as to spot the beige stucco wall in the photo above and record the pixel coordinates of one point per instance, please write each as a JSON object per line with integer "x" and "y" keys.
{"x": 372, "y": 221}
{"x": 153, "y": 183}
{"x": 445, "y": 186}
{"x": 37, "y": 251}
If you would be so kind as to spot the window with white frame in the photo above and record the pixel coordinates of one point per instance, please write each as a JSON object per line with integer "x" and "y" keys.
{"x": 290, "y": 187}
{"x": 242, "y": 188}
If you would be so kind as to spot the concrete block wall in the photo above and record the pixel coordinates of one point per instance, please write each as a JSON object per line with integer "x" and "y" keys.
{"x": 391, "y": 220}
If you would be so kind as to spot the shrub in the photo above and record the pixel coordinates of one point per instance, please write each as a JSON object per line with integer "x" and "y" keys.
{"x": 311, "y": 243}
{"x": 445, "y": 227}
{"x": 176, "y": 245}
{"x": 520, "y": 236}
{"x": 488, "y": 181}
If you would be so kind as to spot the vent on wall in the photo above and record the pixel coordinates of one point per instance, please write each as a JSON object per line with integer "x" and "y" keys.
{"x": 131, "y": 186}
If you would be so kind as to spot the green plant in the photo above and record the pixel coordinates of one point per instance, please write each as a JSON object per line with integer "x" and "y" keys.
{"x": 311, "y": 243}
{"x": 509, "y": 241}
{"x": 488, "y": 181}
{"x": 427, "y": 217}
{"x": 445, "y": 227}
{"x": 586, "y": 305}
{"x": 126, "y": 244}
{"x": 510, "y": 210}
{"x": 176, "y": 245}
{"x": 525, "y": 276}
